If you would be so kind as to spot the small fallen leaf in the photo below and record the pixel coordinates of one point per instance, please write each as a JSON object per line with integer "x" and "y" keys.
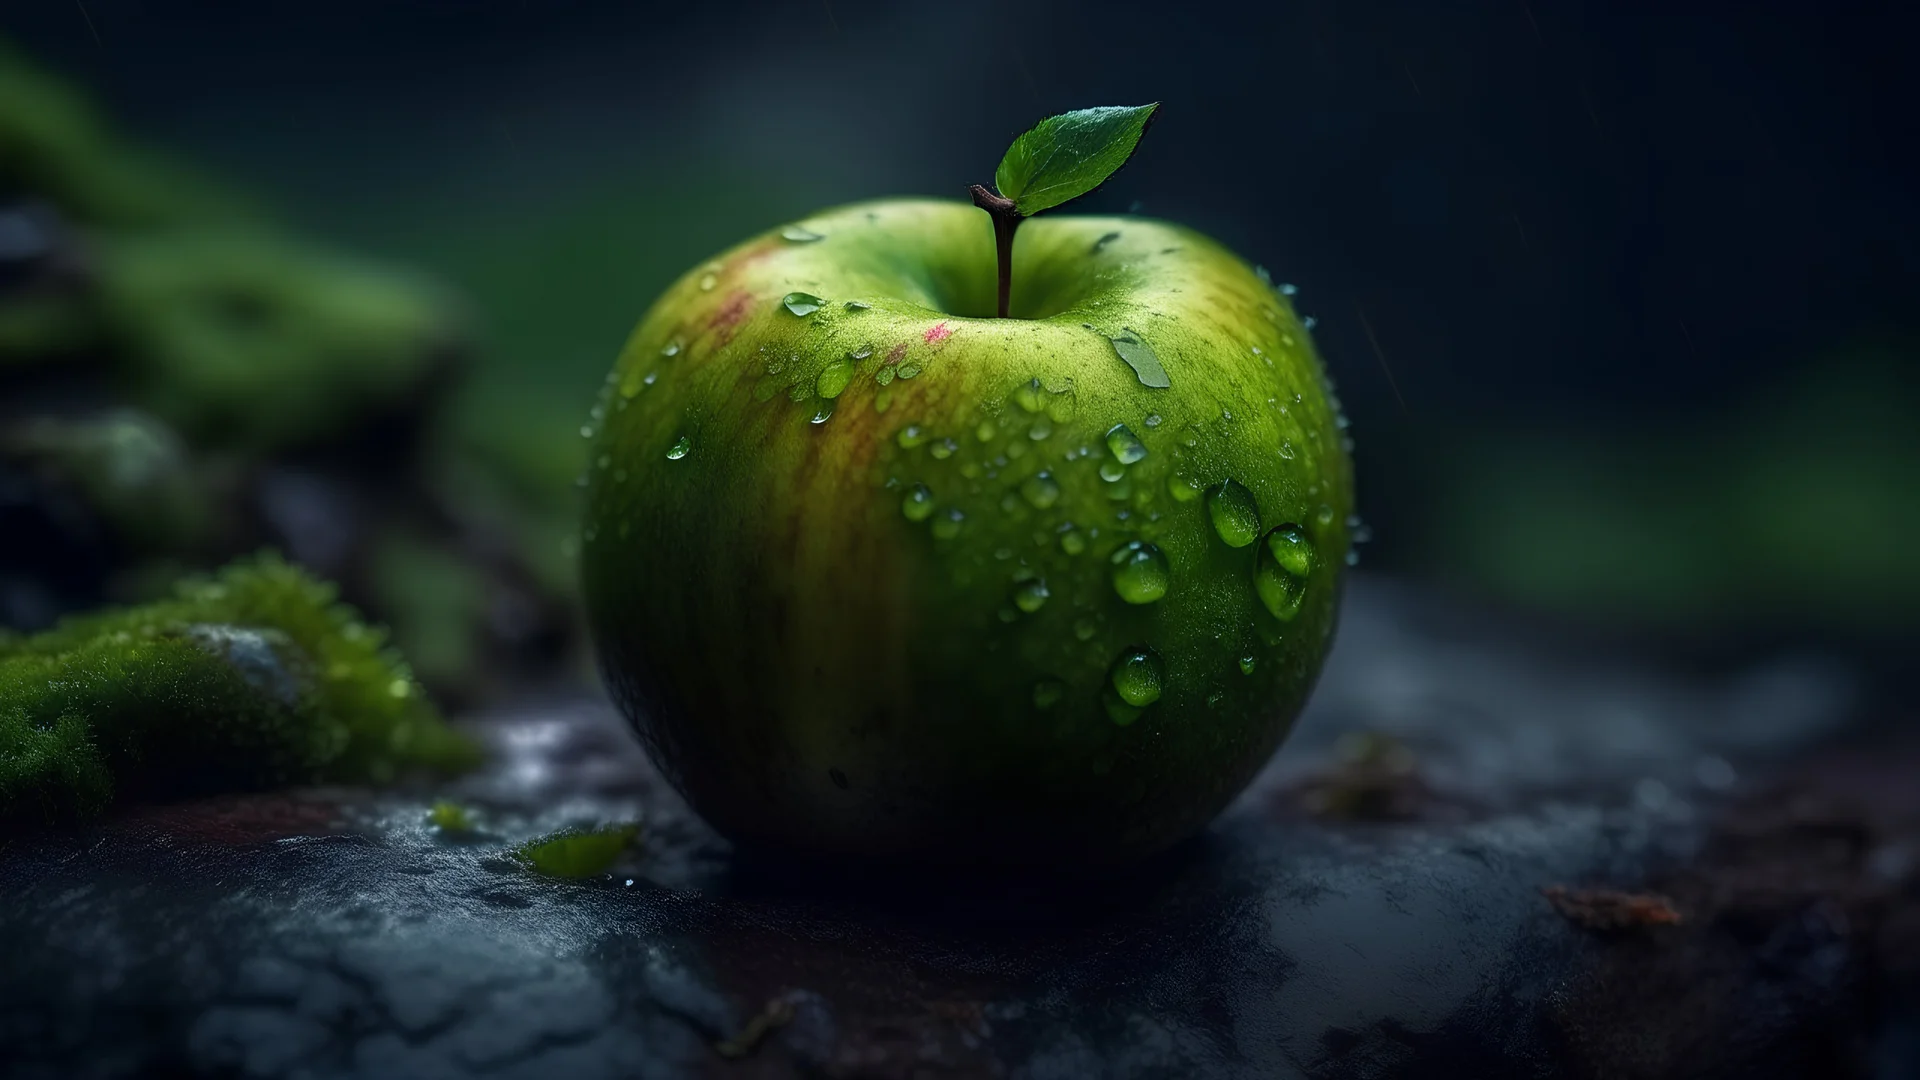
{"x": 1611, "y": 909}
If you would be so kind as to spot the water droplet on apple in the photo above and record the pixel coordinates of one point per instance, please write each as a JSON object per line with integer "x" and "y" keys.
{"x": 1072, "y": 542}
{"x": 1153, "y": 420}
{"x": 1125, "y": 446}
{"x": 1281, "y": 568}
{"x": 943, "y": 449}
{"x": 1137, "y": 676}
{"x": 1141, "y": 574}
{"x": 680, "y": 448}
{"x": 822, "y": 411}
{"x": 1040, "y": 490}
{"x": 1030, "y": 396}
{"x": 1062, "y": 403}
{"x": 855, "y": 305}
{"x": 985, "y": 431}
{"x": 1112, "y": 471}
{"x": 1030, "y": 595}
{"x": 1041, "y": 429}
{"x": 1182, "y": 488}
{"x": 909, "y": 370}
{"x": 1324, "y": 515}
{"x": 707, "y": 282}
{"x": 1236, "y": 517}
{"x": 800, "y": 234}
{"x": 672, "y": 348}
{"x": 1121, "y": 714}
{"x": 1048, "y": 692}
{"x": 918, "y": 503}
{"x": 833, "y": 378}
{"x": 1247, "y": 663}
{"x": 911, "y": 436}
{"x": 801, "y": 303}
{"x": 1286, "y": 450}
{"x": 947, "y": 525}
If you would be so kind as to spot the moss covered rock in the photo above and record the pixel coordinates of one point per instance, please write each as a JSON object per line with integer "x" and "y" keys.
{"x": 251, "y": 678}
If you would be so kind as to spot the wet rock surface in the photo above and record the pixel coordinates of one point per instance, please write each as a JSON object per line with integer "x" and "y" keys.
{"x": 1371, "y": 907}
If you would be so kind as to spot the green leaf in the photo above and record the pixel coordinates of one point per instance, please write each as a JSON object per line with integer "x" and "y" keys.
{"x": 577, "y": 853}
{"x": 1064, "y": 157}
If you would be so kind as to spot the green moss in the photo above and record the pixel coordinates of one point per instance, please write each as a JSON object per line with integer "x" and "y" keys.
{"x": 577, "y": 853}
{"x": 209, "y": 318}
{"x": 252, "y": 678}
{"x": 254, "y": 343}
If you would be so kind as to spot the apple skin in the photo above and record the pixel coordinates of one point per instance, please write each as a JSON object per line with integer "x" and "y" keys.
{"x": 822, "y": 676}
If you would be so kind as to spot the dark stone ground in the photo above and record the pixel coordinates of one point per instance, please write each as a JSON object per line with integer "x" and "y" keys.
{"x": 1383, "y": 918}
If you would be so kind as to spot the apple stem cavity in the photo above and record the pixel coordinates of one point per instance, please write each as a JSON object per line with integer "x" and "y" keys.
{"x": 1057, "y": 160}
{"x": 1006, "y": 218}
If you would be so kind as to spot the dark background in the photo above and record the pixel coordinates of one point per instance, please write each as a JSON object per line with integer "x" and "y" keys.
{"x": 1621, "y": 298}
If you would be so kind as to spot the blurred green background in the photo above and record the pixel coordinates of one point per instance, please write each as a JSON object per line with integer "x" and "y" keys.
{"x": 1622, "y": 304}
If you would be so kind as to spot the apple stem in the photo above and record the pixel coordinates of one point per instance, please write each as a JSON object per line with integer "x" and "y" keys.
{"x": 1005, "y": 220}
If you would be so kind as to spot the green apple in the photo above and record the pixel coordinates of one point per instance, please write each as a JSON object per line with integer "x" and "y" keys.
{"x": 879, "y": 575}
